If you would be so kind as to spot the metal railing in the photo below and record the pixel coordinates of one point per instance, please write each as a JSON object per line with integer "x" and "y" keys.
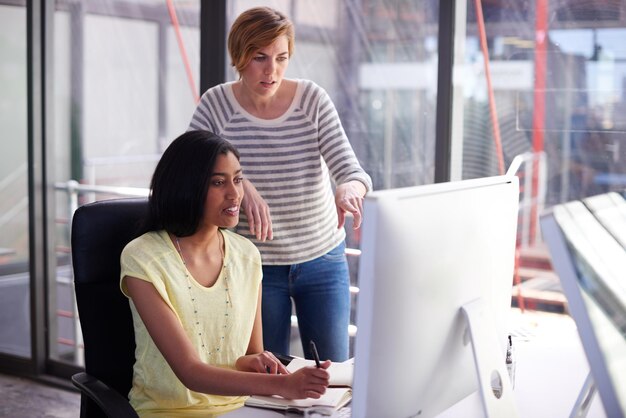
{"x": 74, "y": 189}
{"x": 531, "y": 168}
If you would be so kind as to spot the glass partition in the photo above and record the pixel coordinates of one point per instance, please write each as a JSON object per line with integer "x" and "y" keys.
{"x": 548, "y": 77}
{"x": 378, "y": 62}
{"x": 540, "y": 84}
{"x": 126, "y": 83}
{"x": 15, "y": 328}
{"x": 541, "y": 88}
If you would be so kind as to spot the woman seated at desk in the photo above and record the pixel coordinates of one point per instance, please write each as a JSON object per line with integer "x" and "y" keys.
{"x": 195, "y": 293}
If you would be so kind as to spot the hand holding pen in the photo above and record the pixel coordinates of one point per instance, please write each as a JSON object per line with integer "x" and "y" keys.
{"x": 309, "y": 382}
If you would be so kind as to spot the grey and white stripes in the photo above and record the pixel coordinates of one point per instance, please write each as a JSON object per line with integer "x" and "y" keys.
{"x": 290, "y": 161}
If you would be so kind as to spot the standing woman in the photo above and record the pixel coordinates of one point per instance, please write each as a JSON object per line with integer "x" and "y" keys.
{"x": 195, "y": 293}
{"x": 292, "y": 144}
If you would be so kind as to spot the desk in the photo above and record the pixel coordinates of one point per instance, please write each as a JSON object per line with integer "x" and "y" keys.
{"x": 247, "y": 412}
{"x": 550, "y": 371}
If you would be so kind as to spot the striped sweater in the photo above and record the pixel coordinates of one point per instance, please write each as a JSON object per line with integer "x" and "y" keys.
{"x": 290, "y": 160}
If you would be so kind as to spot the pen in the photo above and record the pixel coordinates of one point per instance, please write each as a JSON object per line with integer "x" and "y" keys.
{"x": 314, "y": 354}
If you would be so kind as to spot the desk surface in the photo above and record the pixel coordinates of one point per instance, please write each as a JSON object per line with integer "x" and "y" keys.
{"x": 550, "y": 371}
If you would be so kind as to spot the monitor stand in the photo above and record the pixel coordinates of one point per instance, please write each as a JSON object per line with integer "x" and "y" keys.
{"x": 587, "y": 392}
{"x": 495, "y": 387}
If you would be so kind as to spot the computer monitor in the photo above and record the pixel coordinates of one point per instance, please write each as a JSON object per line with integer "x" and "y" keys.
{"x": 590, "y": 261}
{"x": 435, "y": 258}
{"x": 610, "y": 210}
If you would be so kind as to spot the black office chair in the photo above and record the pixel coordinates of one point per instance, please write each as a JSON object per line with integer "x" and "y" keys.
{"x": 100, "y": 231}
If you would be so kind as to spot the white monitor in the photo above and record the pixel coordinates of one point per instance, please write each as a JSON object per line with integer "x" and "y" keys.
{"x": 585, "y": 239}
{"x": 610, "y": 210}
{"x": 427, "y": 252}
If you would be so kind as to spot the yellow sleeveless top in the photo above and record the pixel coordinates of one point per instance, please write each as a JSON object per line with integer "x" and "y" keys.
{"x": 225, "y": 327}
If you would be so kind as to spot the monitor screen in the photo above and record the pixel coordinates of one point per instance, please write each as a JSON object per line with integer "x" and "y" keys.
{"x": 426, "y": 252}
{"x": 584, "y": 242}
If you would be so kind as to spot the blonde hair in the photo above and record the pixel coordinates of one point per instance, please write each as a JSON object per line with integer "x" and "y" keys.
{"x": 254, "y": 29}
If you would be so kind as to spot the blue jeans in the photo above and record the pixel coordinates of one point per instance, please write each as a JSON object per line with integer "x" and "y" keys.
{"x": 320, "y": 290}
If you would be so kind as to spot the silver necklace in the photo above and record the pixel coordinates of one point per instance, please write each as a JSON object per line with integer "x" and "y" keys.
{"x": 213, "y": 350}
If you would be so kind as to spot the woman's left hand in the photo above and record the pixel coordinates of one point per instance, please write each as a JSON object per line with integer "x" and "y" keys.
{"x": 264, "y": 362}
{"x": 349, "y": 198}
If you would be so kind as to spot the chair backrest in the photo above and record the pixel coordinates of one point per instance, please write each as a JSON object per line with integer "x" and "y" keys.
{"x": 100, "y": 230}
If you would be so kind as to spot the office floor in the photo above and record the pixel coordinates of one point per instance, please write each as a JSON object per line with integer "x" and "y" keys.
{"x": 20, "y": 397}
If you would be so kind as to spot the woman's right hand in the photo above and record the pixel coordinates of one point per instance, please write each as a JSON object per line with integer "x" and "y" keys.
{"x": 307, "y": 382}
{"x": 257, "y": 212}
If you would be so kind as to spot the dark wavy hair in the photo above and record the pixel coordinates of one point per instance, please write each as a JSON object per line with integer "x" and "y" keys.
{"x": 181, "y": 180}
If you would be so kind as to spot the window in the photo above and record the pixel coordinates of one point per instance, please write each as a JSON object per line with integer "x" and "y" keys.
{"x": 15, "y": 336}
{"x": 124, "y": 88}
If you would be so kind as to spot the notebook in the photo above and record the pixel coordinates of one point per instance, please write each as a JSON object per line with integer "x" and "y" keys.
{"x": 337, "y": 395}
{"x": 341, "y": 374}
